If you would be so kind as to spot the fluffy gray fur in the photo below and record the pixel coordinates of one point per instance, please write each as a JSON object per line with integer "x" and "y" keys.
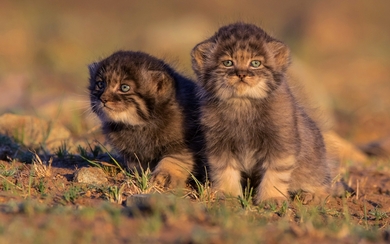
{"x": 254, "y": 127}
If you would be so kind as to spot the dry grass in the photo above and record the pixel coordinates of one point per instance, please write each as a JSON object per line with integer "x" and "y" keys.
{"x": 130, "y": 207}
{"x": 42, "y": 169}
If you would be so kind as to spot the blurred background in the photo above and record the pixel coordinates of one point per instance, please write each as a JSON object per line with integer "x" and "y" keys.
{"x": 341, "y": 52}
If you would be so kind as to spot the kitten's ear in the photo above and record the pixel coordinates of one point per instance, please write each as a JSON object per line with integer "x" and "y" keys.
{"x": 281, "y": 54}
{"x": 92, "y": 69}
{"x": 200, "y": 53}
{"x": 162, "y": 83}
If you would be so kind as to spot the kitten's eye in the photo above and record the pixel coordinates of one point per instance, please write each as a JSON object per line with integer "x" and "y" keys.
{"x": 255, "y": 63}
{"x": 125, "y": 88}
{"x": 100, "y": 84}
{"x": 227, "y": 63}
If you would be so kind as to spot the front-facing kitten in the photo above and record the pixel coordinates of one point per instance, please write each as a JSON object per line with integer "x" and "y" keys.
{"x": 146, "y": 112}
{"x": 254, "y": 127}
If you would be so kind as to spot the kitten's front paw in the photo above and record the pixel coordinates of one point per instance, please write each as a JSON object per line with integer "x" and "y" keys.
{"x": 271, "y": 202}
{"x": 168, "y": 180}
{"x": 311, "y": 198}
{"x": 220, "y": 196}
{"x": 307, "y": 197}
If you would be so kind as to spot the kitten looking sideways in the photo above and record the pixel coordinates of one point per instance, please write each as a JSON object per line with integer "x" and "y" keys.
{"x": 254, "y": 127}
{"x": 147, "y": 114}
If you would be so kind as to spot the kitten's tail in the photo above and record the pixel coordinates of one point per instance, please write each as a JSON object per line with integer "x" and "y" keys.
{"x": 340, "y": 151}
{"x": 379, "y": 148}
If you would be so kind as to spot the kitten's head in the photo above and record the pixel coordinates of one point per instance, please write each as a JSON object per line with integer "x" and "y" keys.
{"x": 240, "y": 61}
{"x": 129, "y": 87}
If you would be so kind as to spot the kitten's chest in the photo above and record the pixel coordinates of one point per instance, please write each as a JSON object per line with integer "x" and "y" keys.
{"x": 240, "y": 119}
{"x": 237, "y": 129}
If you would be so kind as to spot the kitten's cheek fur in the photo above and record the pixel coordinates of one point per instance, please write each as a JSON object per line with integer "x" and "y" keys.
{"x": 129, "y": 116}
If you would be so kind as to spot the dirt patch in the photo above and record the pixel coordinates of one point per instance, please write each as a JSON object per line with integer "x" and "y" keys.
{"x": 54, "y": 207}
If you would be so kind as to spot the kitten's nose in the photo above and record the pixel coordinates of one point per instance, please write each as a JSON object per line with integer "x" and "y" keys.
{"x": 241, "y": 74}
{"x": 103, "y": 99}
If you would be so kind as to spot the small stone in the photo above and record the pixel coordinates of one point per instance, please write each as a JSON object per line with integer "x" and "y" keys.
{"x": 88, "y": 194}
{"x": 138, "y": 200}
{"x": 148, "y": 202}
{"x": 90, "y": 175}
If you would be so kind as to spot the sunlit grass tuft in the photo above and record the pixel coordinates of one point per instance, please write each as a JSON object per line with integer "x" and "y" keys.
{"x": 41, "y": 168}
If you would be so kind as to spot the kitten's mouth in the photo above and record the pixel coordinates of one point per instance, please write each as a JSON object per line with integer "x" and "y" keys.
{"x": 241, "y": 87}
{"x": 113, "y": 107}
{"x": 241, "y": 83}
{"x": 238, "y": 81}
{"x": 107, "y": 107}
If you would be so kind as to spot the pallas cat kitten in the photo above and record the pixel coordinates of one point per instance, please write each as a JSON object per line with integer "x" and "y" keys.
{"x": 146, "y": 112}
{"x": 254, "y": 127}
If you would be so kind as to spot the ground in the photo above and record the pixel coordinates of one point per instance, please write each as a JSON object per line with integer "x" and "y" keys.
{"x": 41, "y": 202}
